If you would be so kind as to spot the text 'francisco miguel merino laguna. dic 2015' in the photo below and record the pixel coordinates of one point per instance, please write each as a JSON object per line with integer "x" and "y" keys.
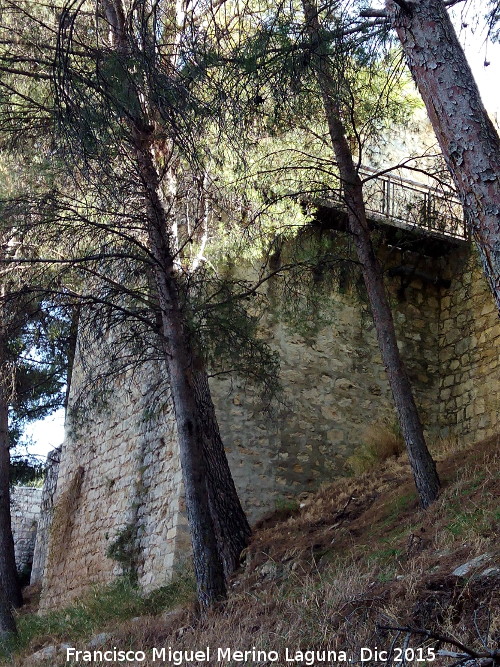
{"x": 229, "y": 656}
{"x": 170, "y": 656}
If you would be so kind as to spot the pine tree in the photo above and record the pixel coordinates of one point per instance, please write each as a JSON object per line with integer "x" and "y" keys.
{"x": 466, "y": 135}
{"x": 122, "y": 104}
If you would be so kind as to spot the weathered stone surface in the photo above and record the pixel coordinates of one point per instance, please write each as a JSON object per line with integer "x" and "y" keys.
{"x": 46, "y": 653}
{"x": 99, "y": 640}
{"x": 25, "y": 511}
{"x": 46, "y": 512}
{"x": 119, "y": 482}
{"x": 491, "y": 572}
{"x": 470, "y": 368}
{"x": 120, "y": 477}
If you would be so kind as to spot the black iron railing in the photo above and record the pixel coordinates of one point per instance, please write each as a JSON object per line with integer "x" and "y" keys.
{"x": 410, "y": 204}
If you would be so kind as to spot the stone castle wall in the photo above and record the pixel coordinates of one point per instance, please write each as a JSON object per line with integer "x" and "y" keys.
{"x": 334, "y": 386}
{"x": 469, "y": 353}
{"x": 46, "y": 515}
{"x": 25, "y": 511}
{"x": 117, "y": 490}
{"x": 120, "y": 482}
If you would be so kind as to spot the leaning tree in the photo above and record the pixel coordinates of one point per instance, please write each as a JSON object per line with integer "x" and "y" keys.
{"x": 422, "y": 464}
{"x": 316, "y": 60}
{"x": 466, "y": 135}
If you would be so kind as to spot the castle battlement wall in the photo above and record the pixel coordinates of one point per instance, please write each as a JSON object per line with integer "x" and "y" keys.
{"x": 119, "y": 501}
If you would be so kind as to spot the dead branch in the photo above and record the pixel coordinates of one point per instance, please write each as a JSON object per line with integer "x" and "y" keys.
{"x": 487, "y": 657}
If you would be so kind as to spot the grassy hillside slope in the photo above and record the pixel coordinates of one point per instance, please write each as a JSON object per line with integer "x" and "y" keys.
{"x": 336, "y": 571}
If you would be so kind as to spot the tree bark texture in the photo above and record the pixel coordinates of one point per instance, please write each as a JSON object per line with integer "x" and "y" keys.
{"x": 9, "y": 581}
{"x": 218, "y": 526}
{"x": 7, "y": 621}
{"x": 8, "y": 573}
{"x": 466, "y": 135}
{"x": 208, "y": 566}
{"x": 422, "y": 464}
{"x": 230, "y": 522}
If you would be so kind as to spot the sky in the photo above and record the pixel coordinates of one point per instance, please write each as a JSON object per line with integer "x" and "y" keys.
{"x": 46, "y": 433}
{"x": 479, "y": 51}
{"x": 49, "y": 432}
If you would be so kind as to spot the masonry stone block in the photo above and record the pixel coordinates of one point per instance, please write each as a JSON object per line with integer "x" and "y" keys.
{"x": 25, "y": 511}
{"x": 334, "y": 387}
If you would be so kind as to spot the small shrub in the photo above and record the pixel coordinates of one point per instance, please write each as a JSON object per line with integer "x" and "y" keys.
{"x": 287, "y": 505}
{"x": 382, "y": 441}
{"x": 123, "y": 549}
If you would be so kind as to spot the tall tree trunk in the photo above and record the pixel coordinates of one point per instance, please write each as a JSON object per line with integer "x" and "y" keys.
{"x": 230, "y": 522}
{"x": 468, "y": 139}
{"x": 211, "y": 556}
{"x": 422, "y": 464}
{"x": 209, "y": 570}
{"x": 9, "y": 581}
{"x": 7, "y": 621}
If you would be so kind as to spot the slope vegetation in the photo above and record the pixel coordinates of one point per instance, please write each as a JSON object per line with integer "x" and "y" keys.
{"x": 355, "y": 569}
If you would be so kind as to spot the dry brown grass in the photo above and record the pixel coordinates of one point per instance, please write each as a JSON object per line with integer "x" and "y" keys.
{"x": 381, "y": 441}
{"x": 446, "y": 446}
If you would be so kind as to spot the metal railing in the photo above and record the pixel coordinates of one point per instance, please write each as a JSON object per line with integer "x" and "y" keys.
{"x": 411, "y": 205}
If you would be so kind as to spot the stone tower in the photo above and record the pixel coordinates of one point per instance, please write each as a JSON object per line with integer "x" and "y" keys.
{"x": 119, "y": 504}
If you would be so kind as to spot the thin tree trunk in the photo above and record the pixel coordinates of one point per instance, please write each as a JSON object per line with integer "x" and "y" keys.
{"x": 466, "y": 135}
{"x": 210, "y": 558}
{"x": 230, "y": 522}
{"x": 7, "y": 621}
{"x": 209, "y": 570}
{"x": 9, "y": 581}
{"x": 422, "y": 464}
